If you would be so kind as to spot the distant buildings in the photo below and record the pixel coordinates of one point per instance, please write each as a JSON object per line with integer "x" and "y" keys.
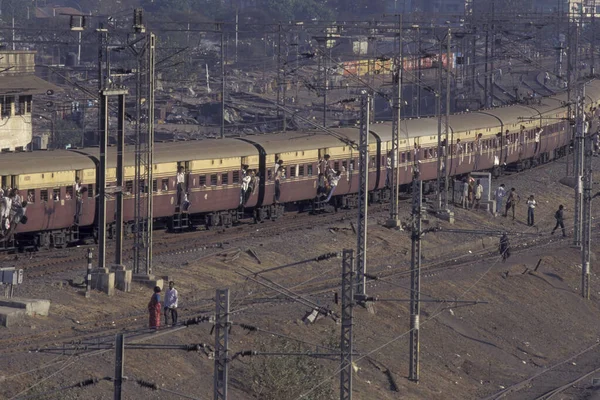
{"x": 18, "y": 85}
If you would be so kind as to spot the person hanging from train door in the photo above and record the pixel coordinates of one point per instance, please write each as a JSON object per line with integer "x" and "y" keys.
{"x": 388, "y": 169}
{"x": 324, "y": 165}
{"x": 79, "y": 191}
{"x": 279, "y": 176}
{"x": 278, "y": 164}
{"x": 538, "y": 134}
{"x": 333, "y": 182}
{"x": 180, "y": 180}
{"x": 244, "y": 184}
{"x": 5, "y": 207}
{"x": 252, "y": 185}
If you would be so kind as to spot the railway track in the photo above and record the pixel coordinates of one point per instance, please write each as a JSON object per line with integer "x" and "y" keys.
{"x": 322, "y": 290}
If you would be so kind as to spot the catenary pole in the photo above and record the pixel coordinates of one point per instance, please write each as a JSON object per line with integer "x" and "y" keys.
{"x": 363, "y": 196}
{"x": 346, "y": 347}
{"x": 415, "y": 277}
{"x": 221, "y": 344}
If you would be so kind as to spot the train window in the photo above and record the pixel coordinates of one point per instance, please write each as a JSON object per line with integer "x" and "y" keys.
{"x": 408, "y": 156}
{"x": 292, "y": 171}
{"x": 202, "y": 180}
{"x": 225, "y": 178}
{"x": 43, "y": 195}
{"x": 128, "y": 187}
{"x": 372, "y": 161}
{"x": 213, "y": 180}
{"x": 269, "y": 174}
{"x": 336, "y": 165}
{"x": 56, "y": 194}
{"x": 236, "y": 176}
{"x": 301, "y": 170}
{"x": 402, "y": 158}
{"x": 345, "y": 165}
{"x": 69, "y": 194}
{"x": 309, "y": 169}
{"x": 351, "y": 165}
{"x": 31, "y": 196}
{"x": 164, "y": 184}
{"x": 90, "y": 190}
{"x": 155, "y": 185}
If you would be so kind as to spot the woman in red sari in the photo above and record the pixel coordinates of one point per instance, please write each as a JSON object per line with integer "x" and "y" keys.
{"x": 154, "y": 309}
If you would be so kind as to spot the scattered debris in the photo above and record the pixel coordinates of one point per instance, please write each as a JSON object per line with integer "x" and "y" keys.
{"x": 253, "y": 254}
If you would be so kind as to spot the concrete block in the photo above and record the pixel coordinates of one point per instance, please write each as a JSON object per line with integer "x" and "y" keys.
{"x": 148, "y": 280}
{"x": 104, "y": 282}
{"x": 9, "y": 315}
{"x": 31, "y": 306}
{"x": 123, "y": 280}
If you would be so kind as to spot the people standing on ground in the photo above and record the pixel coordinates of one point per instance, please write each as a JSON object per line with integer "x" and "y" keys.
{"x": 511, "y": 202}
{"x": 154, "y": 309}
{"x": 478, "y": 193}
{"x": 499, "y": 194}
{"x": 471, "y": 190}
{"x": 559, "y": 216}
{"x": 465, "y": 193}
{"x": 531, "y": 203}
{"x": 171, "y": 299}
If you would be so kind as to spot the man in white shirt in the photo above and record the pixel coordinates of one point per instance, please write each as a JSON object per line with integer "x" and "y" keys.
{"x": 180, "y": 183}
{"x": 478, "y": 194}
{"x": 500, "y": 193}
{"x": 171, "y": 298}
{"x": 531, "y": 203}
{"x": 538, "y": 134}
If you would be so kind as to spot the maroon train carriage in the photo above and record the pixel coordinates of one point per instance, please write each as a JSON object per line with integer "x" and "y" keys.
{"x": 300, "y": 153}
{"x": 212, "y": 171}
{"x": 46, "y": 180}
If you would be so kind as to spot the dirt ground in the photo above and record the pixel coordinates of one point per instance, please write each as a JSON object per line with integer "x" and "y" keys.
{"x": 524, "y": 323}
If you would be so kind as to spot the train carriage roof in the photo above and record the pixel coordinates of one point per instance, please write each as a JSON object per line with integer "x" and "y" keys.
{"x": 207, "y": 149}
{"x": 305, "y": 140}
{"x": 42, "y": 161}
{"x": 409, "y": 128}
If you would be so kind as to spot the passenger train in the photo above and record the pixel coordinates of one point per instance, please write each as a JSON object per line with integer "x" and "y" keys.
{"x": 483, "y": 140}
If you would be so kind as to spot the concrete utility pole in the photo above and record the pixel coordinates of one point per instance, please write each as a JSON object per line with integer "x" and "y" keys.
{"x": 394, "y": 222}
{"x": 587, "y": 218}
{"x": 346, "y": 348}
{"x": 221, "y": 344}
{"x": 578, "y": 171}
{"x": 102, "y": 180}
{"x": 415, "y": 277}
{"x": 593, "y": 41}
{"x": 120, "y": 180}
{"x": 363, "y": 196}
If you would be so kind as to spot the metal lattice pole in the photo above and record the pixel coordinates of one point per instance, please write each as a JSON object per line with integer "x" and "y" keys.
{"x": 397, "y": 107}
{"x": 363, "y": 195}
{"x": 415, "y": 278}
{"x": 102, "y": 180}
{"x": 448, "y": 144}
{"x": 346, "y": 337}
{"x": 587, "y": 219}
{"x": 578, "y": 172}
{"x": 221, "y": 344}
{"x": 144, "y": 150}
{"x": 119, "y": 365}
{"x": 438, "y": 113}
